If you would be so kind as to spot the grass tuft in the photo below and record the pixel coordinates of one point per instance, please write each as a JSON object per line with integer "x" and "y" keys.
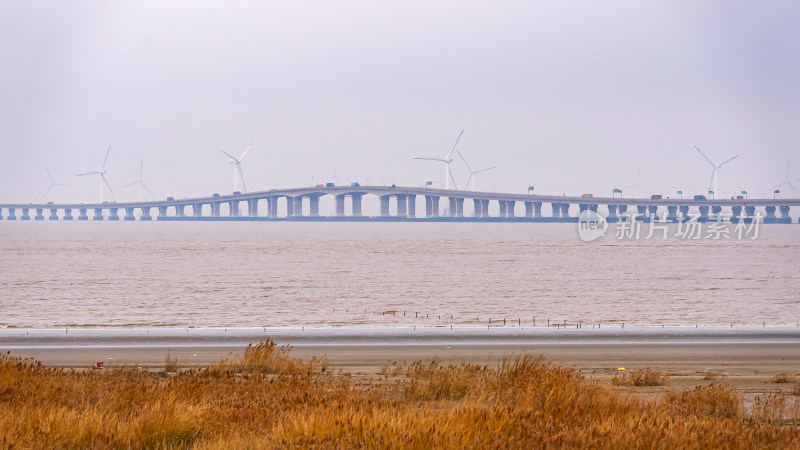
{"x": 639, "y": 378}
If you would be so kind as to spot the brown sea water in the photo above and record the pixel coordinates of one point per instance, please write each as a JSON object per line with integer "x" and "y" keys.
{"x": 211, "y": 274}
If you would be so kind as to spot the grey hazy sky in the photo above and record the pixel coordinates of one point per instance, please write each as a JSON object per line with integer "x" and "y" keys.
{"x": 569, "y": 96}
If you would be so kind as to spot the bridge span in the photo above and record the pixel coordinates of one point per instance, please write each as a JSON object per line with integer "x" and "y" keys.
{"x": 400, "y": 204}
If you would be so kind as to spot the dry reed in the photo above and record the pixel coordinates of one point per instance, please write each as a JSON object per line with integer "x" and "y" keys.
{"x": 783, "y": 377}
{"x": 640, "y": 378}
{"x": 267, "y": 399}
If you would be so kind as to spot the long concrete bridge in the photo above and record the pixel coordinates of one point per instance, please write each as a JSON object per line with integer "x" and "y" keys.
{"x": 400, "y": 204}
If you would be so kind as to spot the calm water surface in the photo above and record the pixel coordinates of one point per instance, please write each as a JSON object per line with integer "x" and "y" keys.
{"x": 207, "y": 274}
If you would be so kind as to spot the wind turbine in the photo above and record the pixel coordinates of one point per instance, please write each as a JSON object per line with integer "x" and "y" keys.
{"x": 447, "y": 160}
{"x": 140, "y": 182}
{"x": 472, "y": 173}
{"x": 52, "y": 182}
{"x": 102, "y": 173}
{"x": 237, "y": 170}
{"x": 636, "y": 185}
{"x": 716, "y": 167}
{"x": 788, "y": 181}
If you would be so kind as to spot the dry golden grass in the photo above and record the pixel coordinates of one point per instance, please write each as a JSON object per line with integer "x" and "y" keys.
{"x": 266, "y": 399}
{"x": 711, "y": 375}
{"x": 783, "y": 377}
{"x": 640, "y": 378}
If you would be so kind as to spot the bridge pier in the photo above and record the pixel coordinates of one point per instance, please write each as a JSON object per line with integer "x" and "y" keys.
{"x": 785, "y": 218}
{"x": 356, "y": 199}
{"x": 298, "y": 206}
{"x": 11, "y": 215}
{"x": 180, "y": 210}
{"x": 273, "y": 206}
{"x": 289, "y": 206}
{"x": 641, "y": 211}
{"x": 703, "y": 214}
{"x": 1, "y": 213}
{"x": 529, "y": 209}
{"x": 53, "y": 214}
{"x": 67, "y": 214}
{"x": 340, "y": 205}
{"x": 146, "y": 214}
{"x": 129, "y": 217}
{"x": 112, "y": 214}
{"x": 412, "y": 205}
{"x": 716, "y": 211}
{"x": 510, "y": 205}
{"x": 652, "y": 211}
{"x": 622, "y": 211}
{"x": 684, "y": 213}
{"x": 384, "y": 205}
{"x": 672, "y": 213}
{"x": 565, "y": 210}
{"x": 736, "y": 213}
{"x": 215, "y": 209}
{"x": 25, "y": 215}
{"x": 39, "y": 215}
{"x": 476, "y": 207}
{"x": 252, "y": 207}
{"x": 556, "y": 209}
{"x": 82, "y": 214}
{"x": 197, "y": 210}
{"x": 98, "y": 214}
{"x": 402, "y": 204}
{"x": 770, "y": 217}
{"x": 234, "y": 208}
{"x": 162, "y": 212}
{"x": 503, "y": 208}
{"x": 537, "y": 210}
{"x": 612, "y": 213}
{"x": 582, "y": 207}
{"x": 749, "y": 212}
{"x": 313, "y": 206}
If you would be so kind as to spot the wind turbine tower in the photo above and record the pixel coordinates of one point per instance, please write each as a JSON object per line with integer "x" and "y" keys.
{"x": 447, "y": 160}
{"x": 102, "y": 173}
{"x": 237, "y": 169}
{"x": 715, "y": 168}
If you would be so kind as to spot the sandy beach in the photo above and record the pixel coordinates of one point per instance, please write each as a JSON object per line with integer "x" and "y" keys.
{"x": 745, "y": 357}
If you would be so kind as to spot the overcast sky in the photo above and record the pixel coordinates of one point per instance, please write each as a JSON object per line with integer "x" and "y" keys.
{"x": 568, "y": 96}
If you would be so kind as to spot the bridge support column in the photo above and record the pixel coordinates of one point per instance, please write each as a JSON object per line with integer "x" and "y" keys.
{"x": 703, "y": 214}
{"x": 298, "y": 206}
{"x": 146, "y": 214}
{"x": 622, "y": 210}
{"x": 510, "y": 205}
{"x": 384, "y": 205}
{"x": 537, "y": 210}
{"x": 652, "y": 211}
{"x": 556, "y": 209}
{"x": 289, "y": 206}
{"x": 564, "y": 210}
{"x": 356, "y": 199}
{"x": 39, "y": 215}
{"x": 460, "y": 207}
{"x": 476, "y": 207}
{"x": 582, "y": 207}
{"x": 162, "y": 212}
{"x": 313, "y": 206}
{"x": 180, "y": 210}
{"x": 82, "y": 214}
{"x": 736, "y": 214}
{"x": 612, "y": 212}
{"x": 25, "y": 215}
{"x": 197, "y": 210}
{"x": 340, "y": 205}
{"x": 684, "y": 213}
{"x": 412, "y": 205}
{"x": 98, "y": 214}
{"x": 593, "y": 207}
{"x": 641, "y": 212}
{"x": 435, "y": 205}
{"x": 750, "y": 211}
{"x": 716, "y": 211}
{"x": 529, "y": 209}
{"x": 273, "y": 206}
{"x": 112, "y": 214}
{"x": 1, "y": 213}
{"x": 402, "y": 204}
{"x": 129, "y": 217}
{"x": 67, "y": 214}
{"x": 484, "y": 208}
{"x": 503, "y": 207}
{"x": 252, "y": 207}
{"x": 785, "y": 214}
{"x": 672, "y": 213}
{"x": 234, "y": 207}
{"x": 770, "y": 217}
{"x": 215, "y": 209}
{"x": 452, "y": 206}
{"x": 428, "y": 206}
{"x": 11, "y": 215}
{"x": 53, "y": 214}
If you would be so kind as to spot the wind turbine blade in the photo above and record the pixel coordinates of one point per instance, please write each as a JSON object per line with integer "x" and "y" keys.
{"x": 434, "y": 159}
{"x": 230, "y": 156}
{"x": 454, "y": 145}
{"x": 246, "y": 150}
{"x": 469, "y": 178}
{"x": 484, "y": 170}
{"x": 465, "y": 162}
{"x": 106, "y": 158}
{"x": 51, "y": 176}
{"x": 106, "y": 182}
{"x": 241, "y": 177}
{"x": 704, "y": 156}
{"x": 148, "y": 190}
{"x": 141, "y": 166}
{"x": 48, "y": 190}
{"x": 727, "y": 161}
{"x": 129, "y": 184}
{"x": 87, "y": 173}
